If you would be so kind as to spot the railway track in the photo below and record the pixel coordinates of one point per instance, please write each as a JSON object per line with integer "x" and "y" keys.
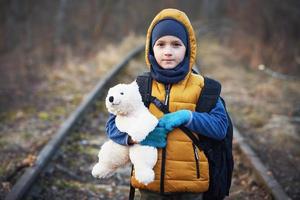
{"x": 62, "y": 169}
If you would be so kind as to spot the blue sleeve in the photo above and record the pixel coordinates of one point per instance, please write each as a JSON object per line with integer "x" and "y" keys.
{"x": 213, "y": 124}
{"x": 114, "y": 133}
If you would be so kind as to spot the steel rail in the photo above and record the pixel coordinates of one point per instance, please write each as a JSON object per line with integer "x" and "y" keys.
{"x": 261, "y": 170}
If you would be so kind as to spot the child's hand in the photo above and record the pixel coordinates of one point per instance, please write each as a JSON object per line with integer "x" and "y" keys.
{"x": 156, "y": 138}
{"x": 175, "y": 119}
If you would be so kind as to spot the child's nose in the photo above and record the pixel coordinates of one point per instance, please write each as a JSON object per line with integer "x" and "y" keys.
{"x": 168, "y": 51}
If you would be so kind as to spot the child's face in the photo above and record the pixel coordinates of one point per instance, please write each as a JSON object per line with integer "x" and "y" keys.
{"x": 169, "y": 51}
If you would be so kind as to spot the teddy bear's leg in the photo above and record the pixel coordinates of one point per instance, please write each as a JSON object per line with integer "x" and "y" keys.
{"x": 143, "y": 159}
{"x": 111, "y": 156}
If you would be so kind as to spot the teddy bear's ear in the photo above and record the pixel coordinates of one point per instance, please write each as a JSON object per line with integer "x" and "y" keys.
{"x": 134, "y": 84}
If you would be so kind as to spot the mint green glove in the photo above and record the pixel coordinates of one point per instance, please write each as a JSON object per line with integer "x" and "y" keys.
{"x": 156, "y": 138}
{"x": 172, "y": 120}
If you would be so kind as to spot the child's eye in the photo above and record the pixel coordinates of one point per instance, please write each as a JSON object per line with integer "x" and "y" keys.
{"x": 121, "y": 93}
{"x": 177, "y": 44}
{"x": 160, "y": 44}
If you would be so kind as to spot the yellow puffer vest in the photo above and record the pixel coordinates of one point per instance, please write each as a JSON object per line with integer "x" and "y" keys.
{"x": 177, "y": 164}
{"x": 180, "y": 173}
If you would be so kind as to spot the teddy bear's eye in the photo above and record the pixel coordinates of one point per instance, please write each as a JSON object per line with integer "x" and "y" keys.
{"x": 121, "y": 93}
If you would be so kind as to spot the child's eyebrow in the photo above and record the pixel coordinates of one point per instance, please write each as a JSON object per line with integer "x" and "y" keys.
{"x": 176, "y": 41}
{"x": 160, "y": 42}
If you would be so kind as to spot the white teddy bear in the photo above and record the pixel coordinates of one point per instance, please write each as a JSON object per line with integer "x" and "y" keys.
{"x": 132, "y": 117}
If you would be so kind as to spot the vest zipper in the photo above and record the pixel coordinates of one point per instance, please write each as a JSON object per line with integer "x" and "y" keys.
{"x": 163, "y": 159}
{"x": 196, "y": 160}
{"x": 168, "y": 88}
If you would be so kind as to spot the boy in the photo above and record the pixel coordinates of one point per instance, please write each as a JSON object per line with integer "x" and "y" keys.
{"x": 182, "y": 170}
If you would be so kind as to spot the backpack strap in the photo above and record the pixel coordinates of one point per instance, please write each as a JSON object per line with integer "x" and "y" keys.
{"x": 206, "y": 102}
{"x": 209, "y": 95}
{"x": 144, "y": 82}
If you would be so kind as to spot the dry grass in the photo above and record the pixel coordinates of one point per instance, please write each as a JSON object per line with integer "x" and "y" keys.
{"x": 90, "y": 71}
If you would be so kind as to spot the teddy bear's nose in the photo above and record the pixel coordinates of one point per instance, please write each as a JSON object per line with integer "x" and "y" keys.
{"x": 111, "y": 99}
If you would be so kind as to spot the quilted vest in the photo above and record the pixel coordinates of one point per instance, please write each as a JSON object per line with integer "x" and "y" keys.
{"x": 182, "y": 167}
